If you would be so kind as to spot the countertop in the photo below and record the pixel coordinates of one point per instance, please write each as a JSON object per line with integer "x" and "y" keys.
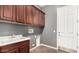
{"x": 10, "y": 40}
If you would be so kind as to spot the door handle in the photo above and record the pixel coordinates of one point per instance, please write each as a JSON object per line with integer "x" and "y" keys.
{"x": 58, "y": 33}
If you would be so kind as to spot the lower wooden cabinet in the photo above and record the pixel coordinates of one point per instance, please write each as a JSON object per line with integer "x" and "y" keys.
{"x": 12, "y": 51}
{"x": 24, "y": 49}
{"x": 20, "y": 47}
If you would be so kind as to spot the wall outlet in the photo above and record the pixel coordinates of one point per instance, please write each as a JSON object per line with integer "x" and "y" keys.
{"x": 30, "y": 30}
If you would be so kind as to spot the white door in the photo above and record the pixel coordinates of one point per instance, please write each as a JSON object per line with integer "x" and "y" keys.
{"x": 60, "y": 26}
{"x": 68, "y": 27}
{"x": 78, "y": 30}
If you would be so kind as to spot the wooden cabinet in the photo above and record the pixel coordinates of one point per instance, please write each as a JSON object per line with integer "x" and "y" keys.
{"x": 20, "y": 13}
{"x": 38, "y": 17}
{"x": 29, "y": 15}
{"x": 25, "y": 14}
{"x": 19, "y": 47}
{"x": 24, "y": 47}
{"x": 12, "y": 51}
{"x": 35, "y": 14}
{"x": 8, "y": 12}
{"x": 41, "y": 19}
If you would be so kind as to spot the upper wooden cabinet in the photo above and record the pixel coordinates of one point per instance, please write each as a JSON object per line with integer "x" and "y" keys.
{"x": 20, "y": 13}
{"x": 29, "y": 15}
{"x": 38, "y": 17}
{"x": 35, "y": 14}
{"x": 41, "y": 19}
{"x": 26, "y": 14}
{"x": 8, "y": 12}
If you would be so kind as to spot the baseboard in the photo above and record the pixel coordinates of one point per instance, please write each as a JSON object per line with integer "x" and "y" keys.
{"x": 67, "y": 49}
{"x": 34, "y": 47}
{"x": 44, "y": 45}
{"x": 49, "y": 46}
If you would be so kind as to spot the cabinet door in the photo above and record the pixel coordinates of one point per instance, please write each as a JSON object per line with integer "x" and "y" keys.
{"x": 8, "y": 12}
{"x": 11, "y": 51}
{"x": 20, "y": 13}
{"x": 24, "y": 49}
{"x": 35, "y": 14}
{"x": 29, "y": 15}
{"x": 41, "y": 19}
